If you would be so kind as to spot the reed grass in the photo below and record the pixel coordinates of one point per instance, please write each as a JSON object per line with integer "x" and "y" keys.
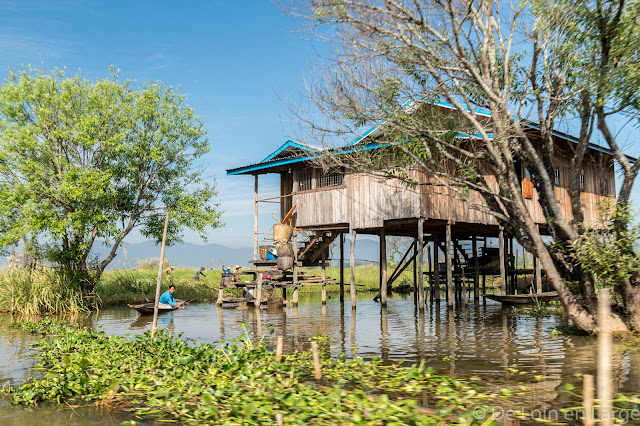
{"x": 41, "y": 291}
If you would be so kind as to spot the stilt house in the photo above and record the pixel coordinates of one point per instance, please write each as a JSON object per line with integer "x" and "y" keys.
{"x": 331, "y": 204}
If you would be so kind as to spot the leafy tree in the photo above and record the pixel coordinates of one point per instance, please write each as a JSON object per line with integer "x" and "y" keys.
{"x": 84, "y": 161}
{"x": 546, "y": 62}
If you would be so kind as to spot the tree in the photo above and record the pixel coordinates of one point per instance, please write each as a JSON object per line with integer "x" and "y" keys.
{"x": 86, "y": 161}
{"x": 548, "y": 62}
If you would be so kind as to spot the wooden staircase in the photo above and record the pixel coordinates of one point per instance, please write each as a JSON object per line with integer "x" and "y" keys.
{"x": 316, "y": 248}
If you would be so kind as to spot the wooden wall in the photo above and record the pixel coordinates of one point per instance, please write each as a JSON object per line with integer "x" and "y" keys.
{"x": 365, "y": 201}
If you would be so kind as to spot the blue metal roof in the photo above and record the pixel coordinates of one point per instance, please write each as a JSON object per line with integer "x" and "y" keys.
{"x": 311, "y": 152}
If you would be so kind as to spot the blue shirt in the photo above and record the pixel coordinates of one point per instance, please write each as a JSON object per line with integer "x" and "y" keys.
{"x": 167, "y": 298}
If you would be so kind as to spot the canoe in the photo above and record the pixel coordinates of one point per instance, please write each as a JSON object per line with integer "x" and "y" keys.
{"x": 522, "y": 299}
{"x": 147, "y": 308}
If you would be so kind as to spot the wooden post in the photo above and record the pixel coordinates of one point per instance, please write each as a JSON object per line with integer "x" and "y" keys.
{"x": 255, "y": 219}
{"x": 415, "y": 272}
{"x": 587, "y": 392}
{"x": 537, "y": 274}
{"x": 476, "y": 269}
{"x": 503, "y": 272}
{"x": 154, "y": 327}
{"x": 430, "y": 270}
{"x": 258, "y": 300}
{"x": 447, "y": 256}
{"x": 436, "y": 267}
{"x": 605, "y": 343}
{"x": 317, "y": 372}
{"x": 420, "y": 259}
{"x": 352, "y": 267}
{"x": 294, "y": 298}
{"x": 279, "y": 347}
{"x": 383, "y": 267}
{"x": 220, "y": 292}
{"x": 324, "y": 277}
{"x": 342, "y": 267}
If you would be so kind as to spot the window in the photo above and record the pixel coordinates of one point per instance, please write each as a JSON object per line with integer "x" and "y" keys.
{"x": 305, "y": 179}
{"x": 330, "y": 179}
{"x": 604, "y": 187}
{"x": 556, "y": 173}
{"x": 581, "y": 182}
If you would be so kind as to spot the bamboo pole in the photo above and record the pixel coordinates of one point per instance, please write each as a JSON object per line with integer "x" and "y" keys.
{"x": 324, "y": 277}
{"x": 605, "y": 344}
{"x": 258, "y": 299}
{"x": 352, "y": 267}
{"x": 587, "y": 387}
{"x": 420, "y": 259}
{"x": 255, "y": 218}
{"x": 317, "y": 372}
{"x": 279, "y": 348}
{"x": 154, "y": 327}
{"x": 295, "y": 269}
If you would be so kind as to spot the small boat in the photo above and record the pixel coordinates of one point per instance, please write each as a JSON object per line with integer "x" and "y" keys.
{"x": 522, "y": 299}
{"x": 147, "y": 308}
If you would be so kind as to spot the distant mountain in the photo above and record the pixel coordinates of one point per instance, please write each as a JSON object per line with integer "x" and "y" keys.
{"x": 194, "y": 255}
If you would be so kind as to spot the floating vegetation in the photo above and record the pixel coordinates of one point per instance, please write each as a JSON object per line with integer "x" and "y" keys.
{"x": 238, "y": 382}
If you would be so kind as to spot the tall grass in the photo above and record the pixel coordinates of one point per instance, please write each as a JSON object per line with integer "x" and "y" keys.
{"x": 139, "y": 286}
{"x": 41, "y": 291}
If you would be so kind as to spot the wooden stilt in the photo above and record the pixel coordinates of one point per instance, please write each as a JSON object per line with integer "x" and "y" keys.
{"x": 430, "y": 270}
{"x": 294, "y": 297}
{"x": 415, "y": 272}
{"x": 537, "y": 275}
{"x": 436, "y": 267}
{"x": 503, "y": 272}
{"x": 255, "y": 219}
{"x": 258, "y": 300}
{"x": 447, "y": 255}
{"x": 342, "y": 267}
{"x": 383, "y": 267}
{"x": 324, "y": 277}
{"x": 352, "y": 267}
{"x": 420, "y": 260}
{"x": 220, "y": 292}
{"x": 476, "y": 269}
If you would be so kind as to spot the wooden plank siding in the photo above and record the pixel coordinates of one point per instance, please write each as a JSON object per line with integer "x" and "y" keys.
{"x": 365, "y": 201}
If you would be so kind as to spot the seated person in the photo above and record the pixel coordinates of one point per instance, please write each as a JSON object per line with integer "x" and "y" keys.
{"x": 167, "y": 301}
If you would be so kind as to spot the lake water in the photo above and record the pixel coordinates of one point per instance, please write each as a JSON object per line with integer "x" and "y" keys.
{"x": 483, "y": 341}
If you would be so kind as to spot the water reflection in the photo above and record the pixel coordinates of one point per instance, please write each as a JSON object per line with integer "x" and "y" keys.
{"x": 481, "y": 339}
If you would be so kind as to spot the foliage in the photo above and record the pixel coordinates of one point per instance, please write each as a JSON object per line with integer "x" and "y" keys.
{"x": 610, "y": 254}
{"x": 41, "y": 291}
{"x": 166, "y": 378}
{"x": 84, "y": 161}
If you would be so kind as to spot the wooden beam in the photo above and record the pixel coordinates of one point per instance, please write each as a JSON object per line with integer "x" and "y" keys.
{"x": 395, "y": 274}
{"x": 503, "y": 272}
{"x": 258, "y": 300}
{"x": 294, "y": 298}
{"x": 420, "y": 259}
{"x": 352, "y": 267}
{"x": 476, "y": 268}
{"x": 447, "y": 255}
{"x": 383, "y": 267}
{"x": 342, "y": 267}
{"x": 415, "y": 272}
{"x": 436, "y": 267}
{"x": 429, "y": 263}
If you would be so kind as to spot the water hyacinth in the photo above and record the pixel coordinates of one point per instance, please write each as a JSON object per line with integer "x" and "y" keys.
{"x": 236, "y": 383}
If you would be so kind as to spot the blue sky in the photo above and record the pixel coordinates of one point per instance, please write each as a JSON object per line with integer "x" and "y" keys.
{"x": 234, "y": 60}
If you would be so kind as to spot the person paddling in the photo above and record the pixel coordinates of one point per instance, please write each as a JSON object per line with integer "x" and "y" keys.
{"x": 167, "y": 301}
